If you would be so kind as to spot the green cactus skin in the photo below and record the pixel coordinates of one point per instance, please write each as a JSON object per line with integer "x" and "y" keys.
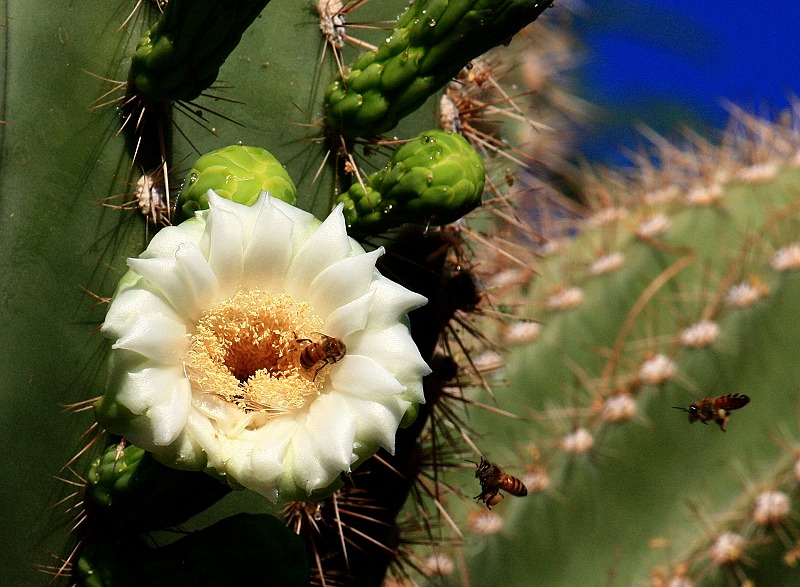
{"x": 431, "y": 42}
{"x": 130, "y": 489}
{"x": 244, "y": 549}
{"x": 437, "y": 178}
{"x": 180, "y": 56}
{"x": 238, "y": 173}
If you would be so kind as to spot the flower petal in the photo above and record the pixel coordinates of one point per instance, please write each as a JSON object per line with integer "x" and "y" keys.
{"x": 392, "y": 301}
{"x": 187, "y": 282}
{"x": 270, "y": 449}
{"x": 328, "y": 244}
{"x": 267, "y": 255}
{"x": 350, "y": 317}
{"x": 377, "y": 422}
{"x": 167, "y": 240}
{"x": 342, "y": 282}
{"x": 394, "y": 349}
{"x": 205, "y": 437}
{"x": 128, "y": 306}
{"x": 154, "y": 336}
{"x": 296, "y": 215}
{"x": 363, "y": 377}
{"x": 223, "y": 239}
{"x": 141, "y": 388}
{"x": 333, "y": 428}
{"x": 245, "y": 214}
{"x": 169, "y": 417}
{"x": 307, "y": 469}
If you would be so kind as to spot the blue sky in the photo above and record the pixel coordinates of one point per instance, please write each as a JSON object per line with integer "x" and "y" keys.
{"x": 674, "y": 61}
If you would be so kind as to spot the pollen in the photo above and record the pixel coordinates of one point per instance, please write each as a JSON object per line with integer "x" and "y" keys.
{"x": 438, "y": 565}
{"x": 449, "y": 118}
{"x": 705, "y": 195}
{"x": 245, "y": 350}
{"x": 759, "y": 173}
{"x": 653, "y": 226}
{"x": 485, "y": 522}
{"x": 606, "y": 216}
{"x": 662, "y": 195}
{"x": 746, "y": 293}
{"x": 565, "y": 298}
{"x": 487, "y": 361}
{"x": 152, "y": 199}
{"x": 536, "y": 479}
{"x": 331, "y": 22}
{"x": 618, "y": 407}
{"x": 578, "y": 442}
{"x": 522, "y": 331}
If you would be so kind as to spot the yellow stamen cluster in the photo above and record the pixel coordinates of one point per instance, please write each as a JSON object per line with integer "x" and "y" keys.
{"x": 246, "y": 349}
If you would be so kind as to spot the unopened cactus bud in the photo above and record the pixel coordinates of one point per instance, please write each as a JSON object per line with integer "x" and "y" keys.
{"x": 236, "y": 173}
{"x": 435, "y": 179}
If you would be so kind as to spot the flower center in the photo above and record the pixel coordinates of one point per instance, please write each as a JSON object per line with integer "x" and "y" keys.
{"x": 247, "y": 351}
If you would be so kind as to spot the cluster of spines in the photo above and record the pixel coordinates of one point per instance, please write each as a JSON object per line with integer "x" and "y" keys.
{"x": 730, "y": 542}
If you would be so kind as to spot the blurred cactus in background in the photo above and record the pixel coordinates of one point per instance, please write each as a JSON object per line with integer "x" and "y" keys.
{"x": 676, "y": 287}
{"x": 560, "y": 335}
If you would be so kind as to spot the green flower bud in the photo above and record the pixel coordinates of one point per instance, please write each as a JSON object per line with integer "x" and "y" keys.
{"x": 435, "y": 179}
{"x": 236, "y": 173}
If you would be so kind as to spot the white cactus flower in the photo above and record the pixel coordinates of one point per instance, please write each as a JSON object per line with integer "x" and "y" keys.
{"x": 217, "y": 361}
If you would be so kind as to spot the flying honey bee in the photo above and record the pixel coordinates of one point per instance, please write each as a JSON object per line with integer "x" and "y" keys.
{"x": 493, "y": 479}
{"x": 319, "y": 351}
{"x": 717, "y": 409}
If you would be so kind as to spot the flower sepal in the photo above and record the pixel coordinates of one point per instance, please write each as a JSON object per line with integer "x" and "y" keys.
{"x": 410, "y": 416}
